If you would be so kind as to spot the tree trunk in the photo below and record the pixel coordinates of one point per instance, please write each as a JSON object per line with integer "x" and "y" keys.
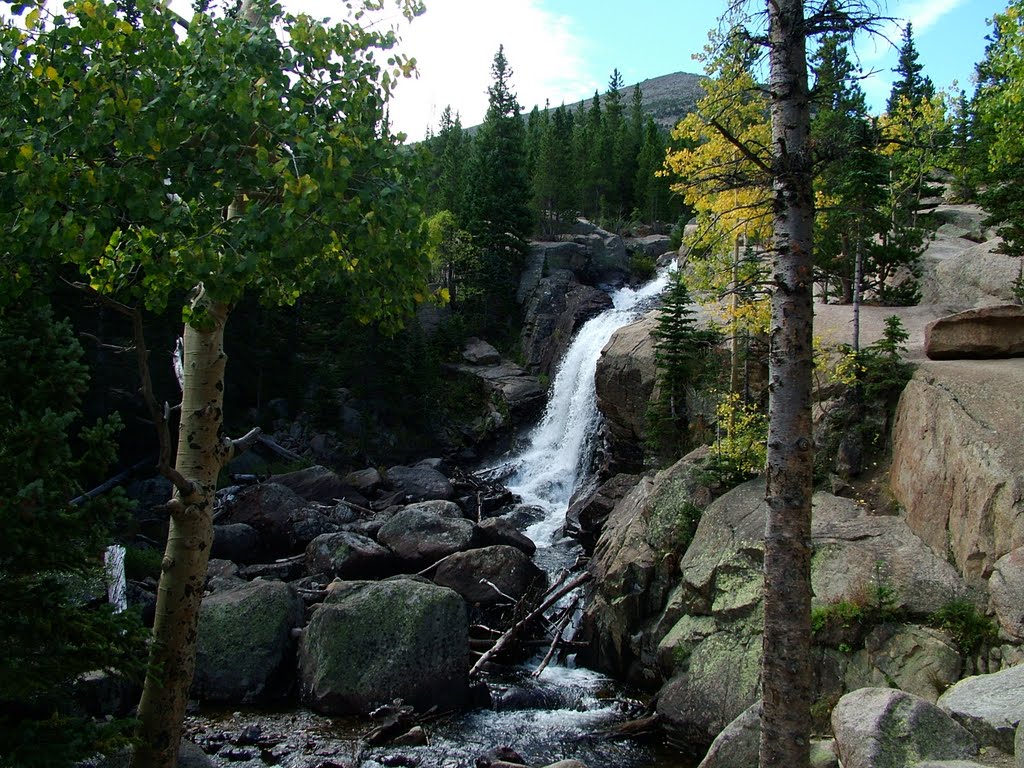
{"x": 786, "y": 671}
{"x": 202, "y": 451}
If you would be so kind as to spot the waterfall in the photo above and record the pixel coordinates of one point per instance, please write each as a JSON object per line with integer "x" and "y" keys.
{"x": 557, "y": 456}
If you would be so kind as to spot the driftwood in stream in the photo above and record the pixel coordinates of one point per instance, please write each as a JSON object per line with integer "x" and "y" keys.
{"x": 556, "y": 593}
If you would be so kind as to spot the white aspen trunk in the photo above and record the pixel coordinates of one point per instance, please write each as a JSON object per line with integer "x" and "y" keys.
{"x": 202, "y": 451}
{"x": 786, "y": 670}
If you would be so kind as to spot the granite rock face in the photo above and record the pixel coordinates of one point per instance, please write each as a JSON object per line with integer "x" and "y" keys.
{"x": 957, "y": 467}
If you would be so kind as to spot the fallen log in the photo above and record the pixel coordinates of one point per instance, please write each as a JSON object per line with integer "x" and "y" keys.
{"x": 510, "y": 634}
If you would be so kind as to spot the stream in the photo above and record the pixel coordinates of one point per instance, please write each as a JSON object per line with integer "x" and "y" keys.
{"x": 545, "y": 718}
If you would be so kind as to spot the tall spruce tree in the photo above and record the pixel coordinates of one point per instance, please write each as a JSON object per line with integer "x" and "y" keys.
{"x": 500, "y": 219}
{"x": 911, "y": 87}
{"x": 683, "y": 362}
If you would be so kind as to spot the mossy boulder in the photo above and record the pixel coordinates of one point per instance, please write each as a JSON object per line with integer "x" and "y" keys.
{"x": 244, "y": 645}
{"x": 373, "y": 642}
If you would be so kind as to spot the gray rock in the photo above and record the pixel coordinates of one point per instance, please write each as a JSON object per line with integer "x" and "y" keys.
{"x": 478, "y": 352}
{"x": 1018, "y": 746}
{"x": 956, "y": 420}
{"x": 489, "y": 576}
{"x": 317, "y": 483}
{"x": 285, "y": 521}
{"x": 237, "y": 542}
{"x": 364, "y": 480}
{"x": 651, "y": 246}
{"x": 191, "y": 755}
{"x": 566, "y": 764}
{"x": 917, "y": 660}
{"x": 990, "y": 706}
{"x": 967, "y": 277}
{"x": 555, "y": 311}
{"x": 856, "y": 555}
{"x": 983, "y": 333}
{"x": 373, "y": 642}
{"x": 420, "y": 538}
{"x": 348, "y": 556}
{"x": 625, "y": 383}
{"x": 439, "y": 507}
{"x": 244, "y": 640}
{"x": 419, "y": 483}
{"x": 737, "y": 745}
{"x": 1006, "y": 591}
{"x": 886, "y": 728}
{"x": 720, "y": 681}
{"x": 499, "y": 530}
{"x": 947, "y": 764}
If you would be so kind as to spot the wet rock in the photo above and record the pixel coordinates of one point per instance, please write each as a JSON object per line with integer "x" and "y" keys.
{"x": 419, "y": 538}
{"x": 372, "y": 642}
{"x": 490, "y": 576}
{"x": 244, "y": 641}
{"x": 989, "y": 706}
{"x": 587, "y": 513}
{"x": 498, "y": 530}
{"x": 349, "y": 556}
{"x": 886, "y": 728}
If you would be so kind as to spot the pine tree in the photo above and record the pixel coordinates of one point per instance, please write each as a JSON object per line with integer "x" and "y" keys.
{"x": 682, "y": 359}
{"x": 501, "y": 219}
{"x": 449, "y": 149}
{"x": 51, "y": 550}
{"x": 911, "y": 87}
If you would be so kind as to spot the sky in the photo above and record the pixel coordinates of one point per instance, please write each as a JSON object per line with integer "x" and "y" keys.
{"x": 562, "y": 50}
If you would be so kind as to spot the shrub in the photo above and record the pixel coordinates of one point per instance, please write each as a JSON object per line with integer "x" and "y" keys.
{"x": 970, "y": 629}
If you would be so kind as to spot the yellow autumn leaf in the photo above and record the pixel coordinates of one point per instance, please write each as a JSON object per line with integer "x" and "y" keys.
{"x": 32, "y": 19}
{"x": 52, "y": 73}
{"x": 26, "y": 151}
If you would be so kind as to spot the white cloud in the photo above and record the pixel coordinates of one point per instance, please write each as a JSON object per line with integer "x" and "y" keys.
{"x": 925, "y": 13}
{"x": 454, "y": 43}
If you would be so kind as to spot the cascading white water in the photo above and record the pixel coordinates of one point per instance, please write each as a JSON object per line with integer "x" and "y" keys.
{"x": 560, "y": 448}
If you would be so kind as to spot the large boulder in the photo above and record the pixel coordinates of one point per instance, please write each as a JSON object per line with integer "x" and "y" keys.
{"x": 649, "y": 246}
{"x": 285, "y": 521}
{"x": 983, "y": 333}
{"x": 490, "y": 576}
{"x": 1006, "y": 591}
{"x": 315, "y": 483}
{"x": 419, "y": 483}
{"x": 710, "y": 628}
{"x": 625, "y": 380}
{"x": 887, "y": 728}
{"x": 959, "y": 272}
{"x": 419, "y": 537}
{"x": 348, "y": 555}
{"x": 957, "y": 467}
{"x": 237, "y": 542}
{"x": 244, "y": 641}
{"x": 607, "y": 260}
{"x": 588, "y": 511}
{"x": 373, "y": 642}
{"x": 989, "y": 706}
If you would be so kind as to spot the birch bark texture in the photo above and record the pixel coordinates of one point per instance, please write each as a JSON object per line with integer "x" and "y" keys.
{"x": 202, "y": 452}
{"x": 786, "y": 671}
